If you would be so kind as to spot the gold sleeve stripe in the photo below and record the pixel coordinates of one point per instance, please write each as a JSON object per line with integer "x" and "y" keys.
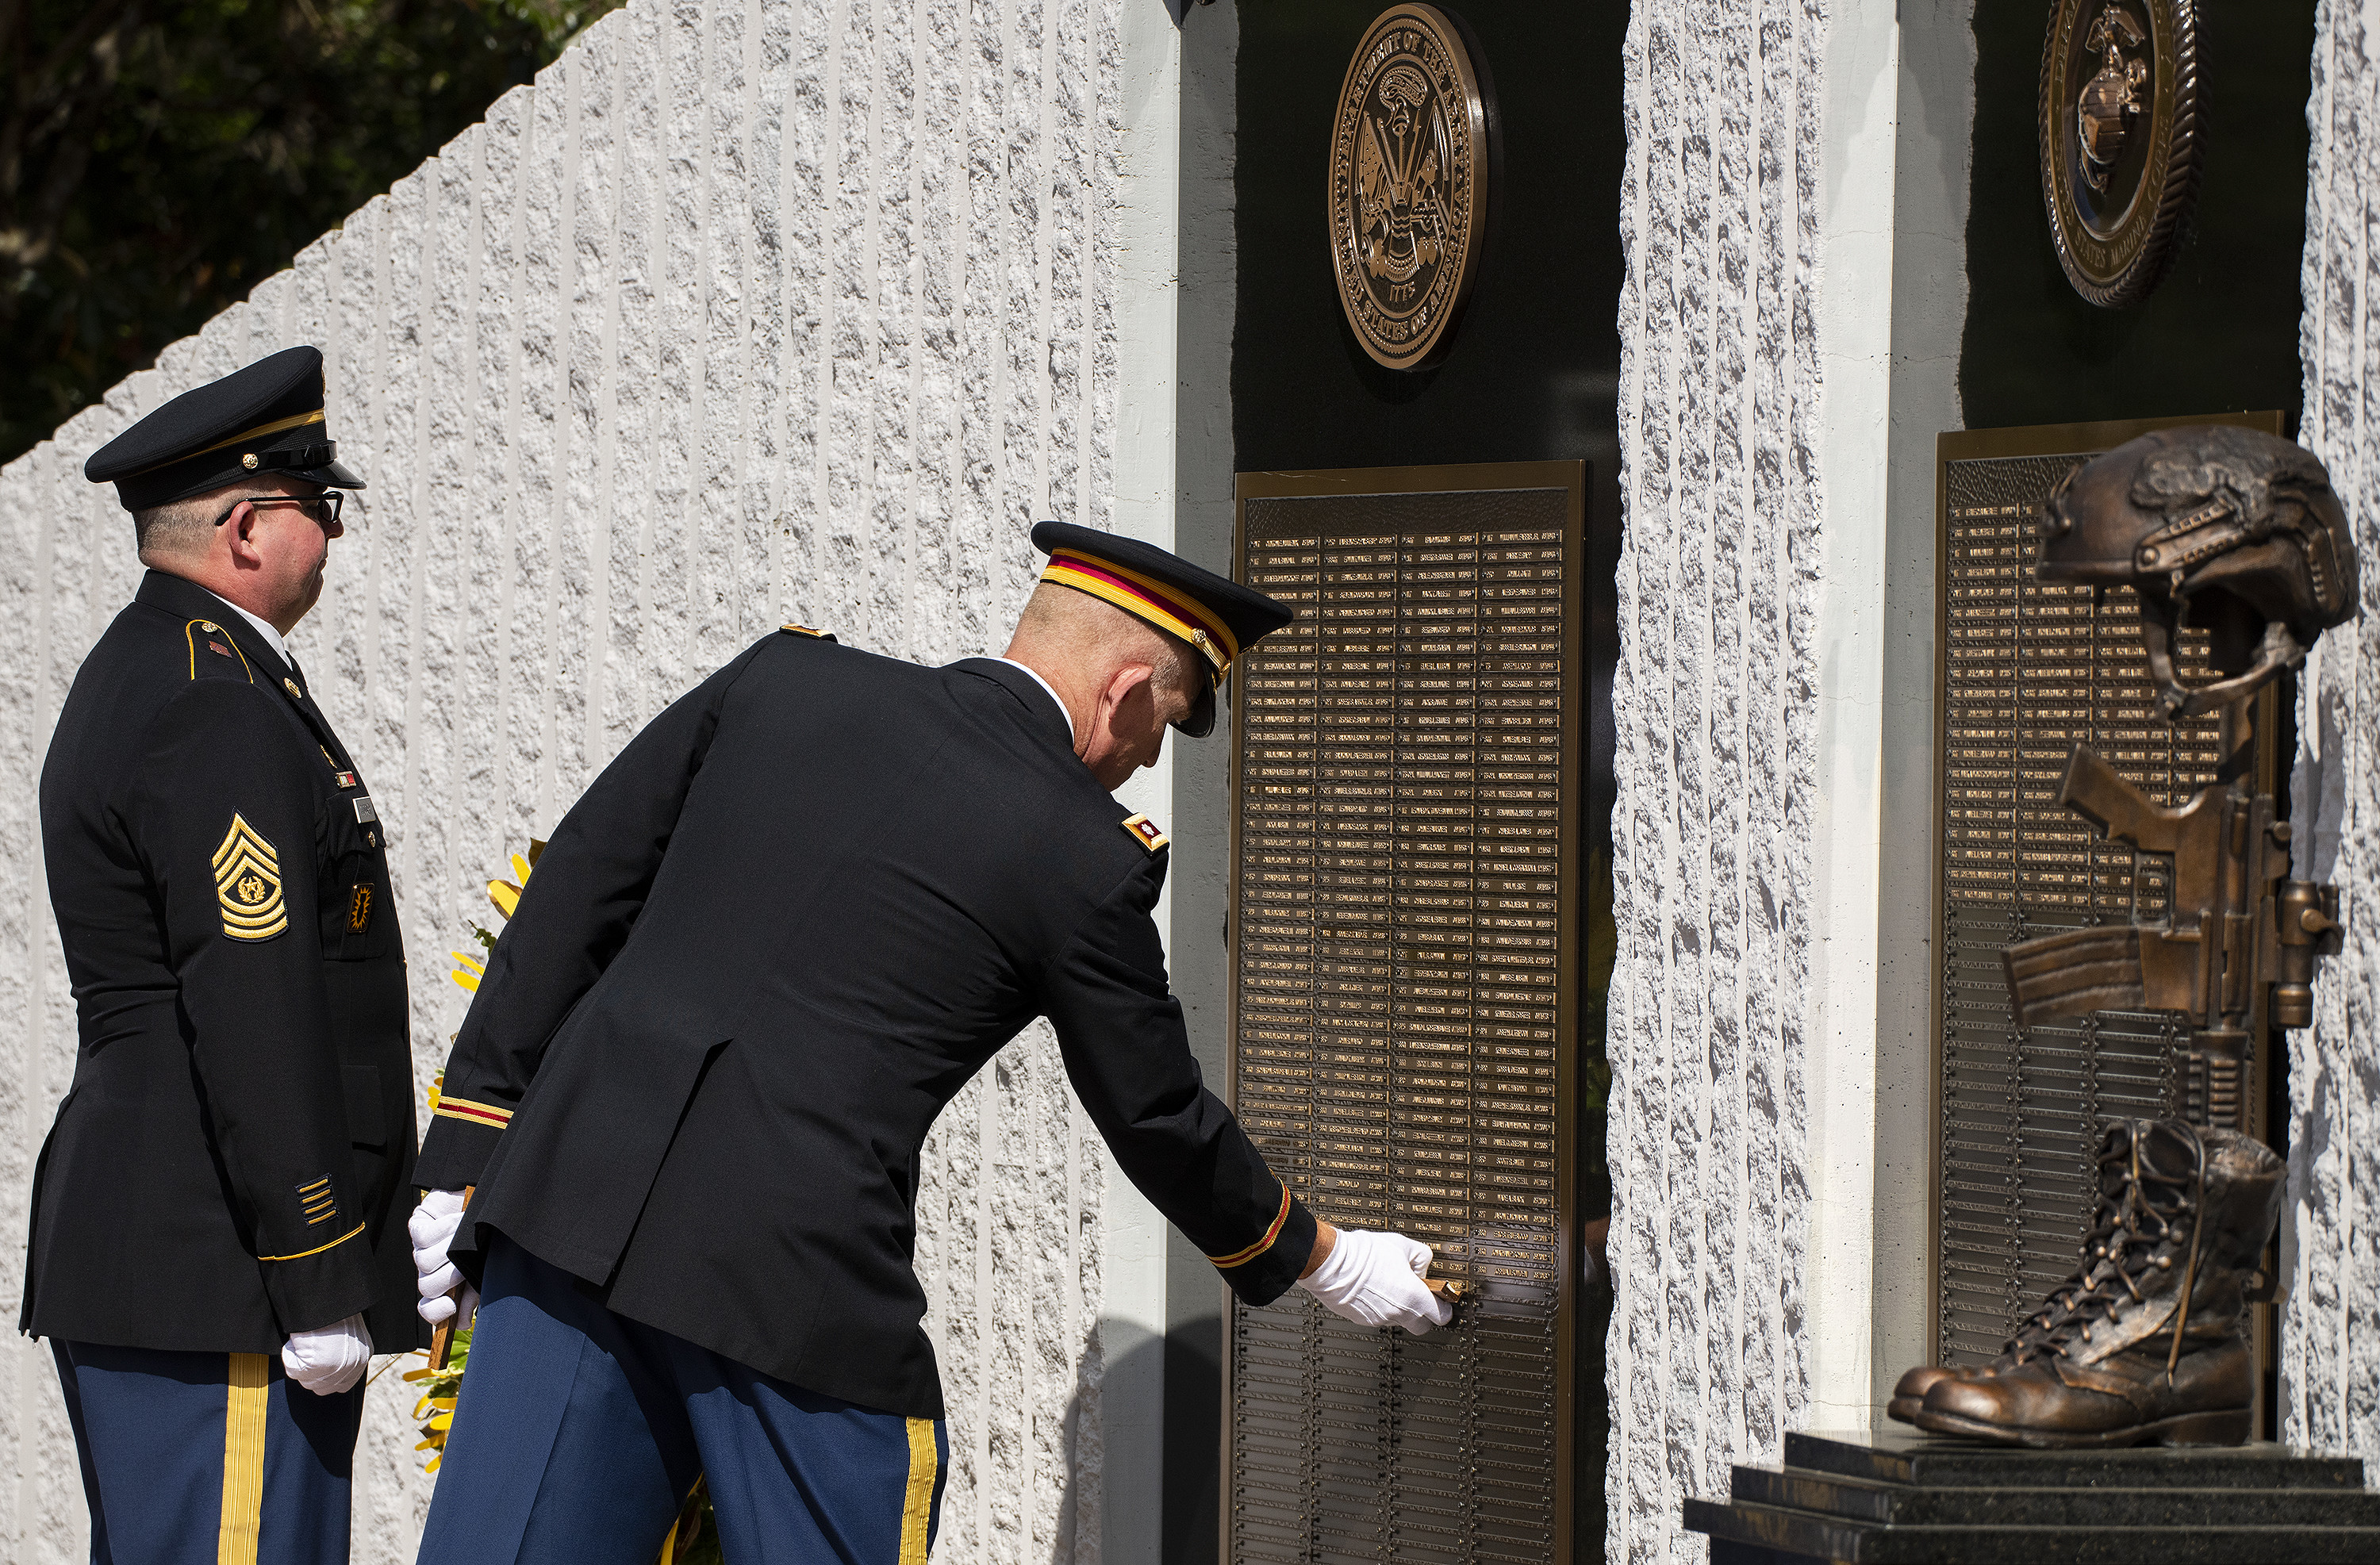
{"x": 246, "y": 1406}
{"x": 1242, "y": 1258}
{"x": 319, "y": 1248}
{"x": 474, "y": 1113}
{"x": 918, "y": 1502}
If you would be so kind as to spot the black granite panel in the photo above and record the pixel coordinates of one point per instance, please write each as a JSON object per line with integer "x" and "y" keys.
{"x": 1794, "y": 1535}
{"x": 1908, "y": 1498}
{"x": 1979, "y": 1505}
{"x": 1894, "y": 1456}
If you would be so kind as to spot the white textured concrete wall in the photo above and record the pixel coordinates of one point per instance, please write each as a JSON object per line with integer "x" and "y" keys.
{"x": 2330, "y": 1322}
{"x": 1717, "y": 709}
{"x": 741, "y": 313}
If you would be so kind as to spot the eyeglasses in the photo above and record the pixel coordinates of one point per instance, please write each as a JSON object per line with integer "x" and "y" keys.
{"x": 323, "y": 507}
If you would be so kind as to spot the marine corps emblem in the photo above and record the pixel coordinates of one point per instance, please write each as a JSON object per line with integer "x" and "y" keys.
{"x": 1410, "y": 165}
{"x": 2120, "y": 144}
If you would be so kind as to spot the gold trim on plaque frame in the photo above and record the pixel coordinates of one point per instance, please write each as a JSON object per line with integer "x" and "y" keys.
{"x": 2080, "y": 441}
{"x": 1471, "y": 477}
{"x": 1410, "y": 165}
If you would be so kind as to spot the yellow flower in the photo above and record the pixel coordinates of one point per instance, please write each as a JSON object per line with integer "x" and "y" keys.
{"x": 506, "y": 895}
{"x": 433, "y": 1414}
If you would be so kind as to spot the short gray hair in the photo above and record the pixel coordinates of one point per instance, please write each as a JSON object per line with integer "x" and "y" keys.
{"x": 179, "y": 526}
{"x": 1087, "y": 626}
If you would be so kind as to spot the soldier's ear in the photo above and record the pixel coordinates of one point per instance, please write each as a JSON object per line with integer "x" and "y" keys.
{"x": 239, "y": 530}
{"x": 1122, "y": 683}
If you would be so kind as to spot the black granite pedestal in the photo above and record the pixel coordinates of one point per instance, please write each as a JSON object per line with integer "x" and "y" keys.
{"x": 1909, "y": 1498}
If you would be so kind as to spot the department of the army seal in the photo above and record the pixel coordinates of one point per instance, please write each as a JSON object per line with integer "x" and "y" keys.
{"x": 1409, "y": 184}
{"x": 2119, "y": 140}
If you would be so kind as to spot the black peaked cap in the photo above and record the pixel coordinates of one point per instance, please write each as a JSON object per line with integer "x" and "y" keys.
{"x": 1218, "y": 616}
{"x": 265, "y": 418}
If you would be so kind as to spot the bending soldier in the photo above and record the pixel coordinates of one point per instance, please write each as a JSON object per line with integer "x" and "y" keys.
{"x": 793, "y": 917}
{"x": 217, "y": 1244}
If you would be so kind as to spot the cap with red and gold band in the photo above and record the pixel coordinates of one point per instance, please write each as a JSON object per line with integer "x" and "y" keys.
{"x": 1217, "y": 617}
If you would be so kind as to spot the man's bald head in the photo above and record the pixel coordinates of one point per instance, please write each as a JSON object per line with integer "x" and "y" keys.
{"x": 1089, "y": 651}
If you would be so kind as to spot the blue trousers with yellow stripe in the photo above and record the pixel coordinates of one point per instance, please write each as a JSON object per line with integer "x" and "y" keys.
{"x": 207, "y": 1459}
{"x": 578, "y": 1435}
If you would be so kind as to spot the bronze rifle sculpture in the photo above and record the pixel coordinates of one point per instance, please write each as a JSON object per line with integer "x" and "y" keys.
{"x": 2147, "y": 1341}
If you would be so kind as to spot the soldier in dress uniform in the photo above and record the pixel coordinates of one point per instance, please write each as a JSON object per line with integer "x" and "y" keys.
{"x": 217, "y": 1239}
{"x": 791, "y": 920}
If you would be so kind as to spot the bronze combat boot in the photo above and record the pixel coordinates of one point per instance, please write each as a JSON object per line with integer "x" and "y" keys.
{"x": 1909, "y": 1396}
{"x": 2147, "y": 1342}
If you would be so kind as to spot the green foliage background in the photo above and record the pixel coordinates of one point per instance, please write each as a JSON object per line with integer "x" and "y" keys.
{"x": 159, "y": 158}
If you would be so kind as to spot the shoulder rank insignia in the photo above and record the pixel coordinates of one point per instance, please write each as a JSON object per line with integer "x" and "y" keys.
{"x": 1148, "y": 832}
{"x": 248, "y": 884}
{"x": 805, "y": 630}
{"x": 209, "y": 637}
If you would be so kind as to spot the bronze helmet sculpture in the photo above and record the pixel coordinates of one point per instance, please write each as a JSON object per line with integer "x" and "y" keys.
{"x": 2232, "y": 528}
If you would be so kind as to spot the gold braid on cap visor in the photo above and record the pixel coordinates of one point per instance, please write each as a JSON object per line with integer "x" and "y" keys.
{"x": 1149, "y": 600}
{"x": 296, "y": 421}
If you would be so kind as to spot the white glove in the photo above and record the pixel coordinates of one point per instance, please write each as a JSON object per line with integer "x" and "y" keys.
{"x": 330, "y": 1360}
{"x": 1376, "y": 1280}
{"x": 432, "y": 1229}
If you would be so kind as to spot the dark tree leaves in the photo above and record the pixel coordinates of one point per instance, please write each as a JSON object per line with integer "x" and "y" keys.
{"x": 159, "y": 158}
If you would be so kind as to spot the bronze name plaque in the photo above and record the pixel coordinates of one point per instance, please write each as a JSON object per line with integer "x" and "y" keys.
{"x": 1404, "y": 886}
{"x": 2027, "y": 670}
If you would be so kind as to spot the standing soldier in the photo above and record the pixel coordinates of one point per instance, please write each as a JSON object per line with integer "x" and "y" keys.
{"x": 217, "y": 1242}
{"x": 790, "y": 920}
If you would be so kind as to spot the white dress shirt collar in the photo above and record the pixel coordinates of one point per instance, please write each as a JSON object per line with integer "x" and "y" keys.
{"x": 1045, "y": 684}
{"x": 264, "y": 628}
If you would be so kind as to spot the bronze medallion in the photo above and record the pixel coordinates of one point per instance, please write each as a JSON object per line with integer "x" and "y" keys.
{"x": 1408, "y": 187}
{"x": 2119, "y": 140}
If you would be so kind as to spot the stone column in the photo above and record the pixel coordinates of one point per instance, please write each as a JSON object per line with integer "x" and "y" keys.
{"x": 2330, "y": 1321}
{"x": 1793, "y": 214}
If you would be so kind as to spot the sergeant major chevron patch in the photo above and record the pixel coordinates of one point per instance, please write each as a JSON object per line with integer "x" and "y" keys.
{"x": 248, "y": 884}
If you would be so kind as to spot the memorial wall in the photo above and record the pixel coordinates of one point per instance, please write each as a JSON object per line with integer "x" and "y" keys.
{"x": 2219, "y": 336}
{"x": 787, "y": 310}
{"x": 1525, "y": 380}
{"x": 722, "y": 322}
